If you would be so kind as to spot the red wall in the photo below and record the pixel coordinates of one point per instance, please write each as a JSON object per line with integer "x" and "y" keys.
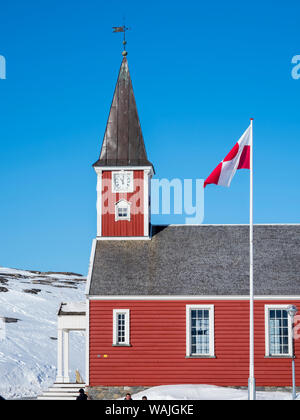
{"x": 157, "y": 355}
{"x": 134, "y": 227}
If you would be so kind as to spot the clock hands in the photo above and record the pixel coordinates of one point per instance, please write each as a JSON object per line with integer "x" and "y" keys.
{"x": 122, "y": 181}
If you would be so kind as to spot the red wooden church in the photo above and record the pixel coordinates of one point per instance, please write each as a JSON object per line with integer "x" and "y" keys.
{"x": 170, "y": 304}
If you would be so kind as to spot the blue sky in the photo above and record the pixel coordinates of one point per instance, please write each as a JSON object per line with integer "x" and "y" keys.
{"x": 200, "y": 70}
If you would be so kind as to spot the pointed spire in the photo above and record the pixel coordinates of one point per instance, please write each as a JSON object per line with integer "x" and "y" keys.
{"x": 123, "y": 143}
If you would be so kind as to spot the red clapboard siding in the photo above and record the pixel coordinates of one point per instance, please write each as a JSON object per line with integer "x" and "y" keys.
{"x": 134, "y": 227}
{"x": 157, "y": 355}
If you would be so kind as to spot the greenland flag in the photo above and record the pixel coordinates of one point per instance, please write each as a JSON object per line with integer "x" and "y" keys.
{"x": 237, "y": 158}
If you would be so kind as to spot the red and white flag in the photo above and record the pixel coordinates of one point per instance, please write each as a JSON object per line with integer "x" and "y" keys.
{"x": 241, "y": 157}
{"x": 237, "y": 158}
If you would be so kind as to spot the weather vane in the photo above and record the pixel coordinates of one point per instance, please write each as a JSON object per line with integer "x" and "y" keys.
{"x": 123, "y": 29}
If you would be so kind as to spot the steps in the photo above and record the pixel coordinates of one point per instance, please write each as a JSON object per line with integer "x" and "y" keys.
{"x": 62, "y": 391}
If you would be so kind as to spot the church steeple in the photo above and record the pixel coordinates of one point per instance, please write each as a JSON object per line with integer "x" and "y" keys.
{"x": 123, "y": 143}
{"x": 123, "y": 169}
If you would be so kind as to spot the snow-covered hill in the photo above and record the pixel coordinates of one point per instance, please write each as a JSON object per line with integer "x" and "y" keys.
{"x": 29, "y": 302}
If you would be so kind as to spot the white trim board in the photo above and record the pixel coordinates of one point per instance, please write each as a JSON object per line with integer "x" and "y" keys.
{"x": 123, "y": 238}
{"x": 200, "y": 298}
{"x": 100, "y": 169}
{"x": 147, "y": 193}
{"x": 87, "y": 344}
{"x": 99, "y": 204}
{"x": 92, "y": 258}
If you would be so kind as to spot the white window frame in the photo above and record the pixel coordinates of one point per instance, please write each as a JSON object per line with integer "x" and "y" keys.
{"x": 211, "y": 310}
{"x": 126, "y": 190}
{"x": 267, "y": 331}
{"x": 122, "y": 203}
{"x": 117, "y": 312}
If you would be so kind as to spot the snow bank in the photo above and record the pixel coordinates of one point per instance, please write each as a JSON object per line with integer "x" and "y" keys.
{"x": 205, "y": 392}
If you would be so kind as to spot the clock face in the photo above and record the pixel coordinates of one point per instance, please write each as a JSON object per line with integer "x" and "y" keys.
{"x": 122, "y": 182}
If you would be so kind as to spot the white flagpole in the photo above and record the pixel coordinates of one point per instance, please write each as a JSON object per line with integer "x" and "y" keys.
{"x": 251, "y": 380}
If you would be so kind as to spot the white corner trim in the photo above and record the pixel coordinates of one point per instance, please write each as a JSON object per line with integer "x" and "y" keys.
{"x": 147, "y": 190}
{"x": 87, "y": 344}
{"x": 91, "y": 265}
{"x": 99, "y": 204}
{"x": 211, "y": 309}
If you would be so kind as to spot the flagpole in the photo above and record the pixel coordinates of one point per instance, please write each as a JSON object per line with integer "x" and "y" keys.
{"x": 251, "y": 380}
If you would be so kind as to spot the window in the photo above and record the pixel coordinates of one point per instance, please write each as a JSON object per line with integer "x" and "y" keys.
{"x": 122, "y": 210}
{"x": 278, "y": 331}
{"x": 121, "y": 327}
{"x": 200, "y": 330}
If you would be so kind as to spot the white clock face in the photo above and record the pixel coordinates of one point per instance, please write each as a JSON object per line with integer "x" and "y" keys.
{"x": 122, "y": 182}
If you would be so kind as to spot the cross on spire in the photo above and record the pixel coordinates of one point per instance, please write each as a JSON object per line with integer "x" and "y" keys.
{"x": 123, "y": 29}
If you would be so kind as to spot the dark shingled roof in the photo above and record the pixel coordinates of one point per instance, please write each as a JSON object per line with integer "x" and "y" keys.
{"x": 123, "y": 143}
{"x": 200, "y": 260}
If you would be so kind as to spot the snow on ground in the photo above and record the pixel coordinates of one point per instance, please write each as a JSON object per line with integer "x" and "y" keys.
{"x": 29, "y": 302}
{"x": 205, "y": 392}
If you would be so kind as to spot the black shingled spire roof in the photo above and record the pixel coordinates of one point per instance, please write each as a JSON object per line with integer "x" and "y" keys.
{"x": 123, "y": 143}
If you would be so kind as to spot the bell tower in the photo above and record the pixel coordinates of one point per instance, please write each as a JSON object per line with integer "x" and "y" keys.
{"x": 123, "y": 170}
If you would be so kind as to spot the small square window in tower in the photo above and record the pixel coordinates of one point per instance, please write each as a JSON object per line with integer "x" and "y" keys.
{"x": 122, "y": 210}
